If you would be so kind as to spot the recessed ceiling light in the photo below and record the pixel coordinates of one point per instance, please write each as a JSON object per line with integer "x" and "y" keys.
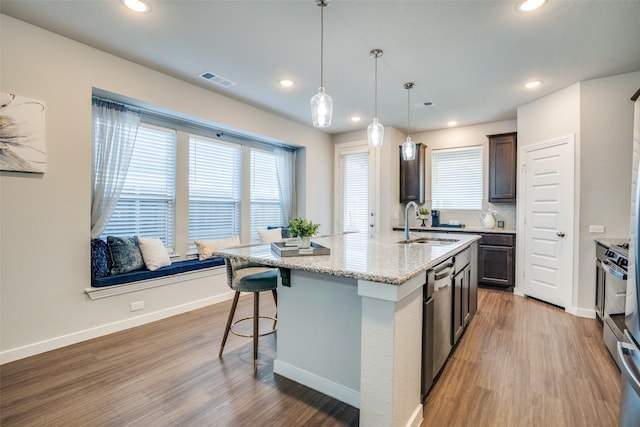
{"x": 529, "y": 5}
{"x": 452, "y": 123}
{"x": 532, "y": 84}
{"x": 355, "y": 119}
{"x": 137, "y": 5}
{"x": 285, "y": 83}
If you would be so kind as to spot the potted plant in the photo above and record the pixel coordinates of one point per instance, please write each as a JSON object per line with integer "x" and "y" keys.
{"x": 303, "y": 229}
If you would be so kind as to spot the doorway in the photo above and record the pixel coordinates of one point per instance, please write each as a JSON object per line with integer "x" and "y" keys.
{"x": 548, "y": 177}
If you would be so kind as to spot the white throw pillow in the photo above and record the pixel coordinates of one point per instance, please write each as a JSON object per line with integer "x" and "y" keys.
{"x": 268, "y": 236}
{"x": 154, "y": 253}
{"x": 206, "y": 248}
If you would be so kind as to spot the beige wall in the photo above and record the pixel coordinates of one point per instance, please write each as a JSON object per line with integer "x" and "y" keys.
{"x": 44, "y": 219}
{"x": 600, "y": 115}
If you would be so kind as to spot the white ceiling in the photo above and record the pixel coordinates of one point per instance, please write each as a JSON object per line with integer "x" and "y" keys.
{"x": 470, "y": 57}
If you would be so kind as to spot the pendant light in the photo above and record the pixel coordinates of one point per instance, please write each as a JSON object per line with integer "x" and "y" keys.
{"x": 321, "y": 102}
{"x": 375, "y": 131}
{"x": 408, "y": 147}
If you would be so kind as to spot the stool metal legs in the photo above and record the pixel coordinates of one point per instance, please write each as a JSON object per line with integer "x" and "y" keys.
{"x": 256, "y": 319}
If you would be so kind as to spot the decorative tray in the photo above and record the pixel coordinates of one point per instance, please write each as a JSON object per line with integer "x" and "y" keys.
{"x": 285, "y": 249}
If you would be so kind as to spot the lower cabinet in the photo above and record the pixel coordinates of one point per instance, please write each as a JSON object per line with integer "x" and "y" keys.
{"x": 496, "y": 260}
{"x": 465, "y": 291}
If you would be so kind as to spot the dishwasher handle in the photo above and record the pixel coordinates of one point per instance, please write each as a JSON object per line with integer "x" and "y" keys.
{"x": 446, "y": 270}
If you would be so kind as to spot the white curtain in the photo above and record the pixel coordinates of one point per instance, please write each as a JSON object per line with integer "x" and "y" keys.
{"x": 285, "y": 168}
{"x": 115, "y": 128}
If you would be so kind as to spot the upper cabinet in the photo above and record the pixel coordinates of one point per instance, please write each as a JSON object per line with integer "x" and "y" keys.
{"x": 502, "y": 167}
{"x": 412, "y": 177}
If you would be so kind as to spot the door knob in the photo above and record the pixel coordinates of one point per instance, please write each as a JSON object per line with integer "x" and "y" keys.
{"x": 560, "y": 234}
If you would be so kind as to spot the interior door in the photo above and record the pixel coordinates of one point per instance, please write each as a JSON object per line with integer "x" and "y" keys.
{"x": 549, "y": 182}
{"x": 355, "y": 188}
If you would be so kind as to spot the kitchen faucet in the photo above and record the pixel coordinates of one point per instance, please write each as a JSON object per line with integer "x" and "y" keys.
{"x": 406, "y": 218}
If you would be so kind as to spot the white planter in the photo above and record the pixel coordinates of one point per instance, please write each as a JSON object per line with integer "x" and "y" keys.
{"x": 304, "y": 242}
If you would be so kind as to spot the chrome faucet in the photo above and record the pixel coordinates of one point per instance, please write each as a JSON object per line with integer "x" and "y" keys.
{"x": 406, "y": 218}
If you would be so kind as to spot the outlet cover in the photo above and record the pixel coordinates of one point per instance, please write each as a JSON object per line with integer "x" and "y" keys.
{"x": 139, "y": 305}
{"x": 596, "y": 229}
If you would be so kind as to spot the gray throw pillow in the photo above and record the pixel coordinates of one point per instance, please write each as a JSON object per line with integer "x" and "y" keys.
{"x": 125, "y": 254}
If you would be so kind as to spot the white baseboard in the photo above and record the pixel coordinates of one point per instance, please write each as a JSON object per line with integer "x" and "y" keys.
{"x": 76, "y": 337}
{"x": 416, "y": 417}
{"x": 581, "y": 312}
{"x": 330, "y": 388}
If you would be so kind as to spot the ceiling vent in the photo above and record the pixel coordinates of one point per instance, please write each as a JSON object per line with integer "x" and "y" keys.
{"x": 216, "y": 79}
{"x": 423, "y": 104}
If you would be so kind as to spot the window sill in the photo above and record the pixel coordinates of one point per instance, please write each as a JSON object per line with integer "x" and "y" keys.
{"x": 125, "y": 288}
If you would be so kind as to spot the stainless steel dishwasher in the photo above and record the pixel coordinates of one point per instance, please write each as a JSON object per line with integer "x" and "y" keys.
{"x": 437, "y": 316}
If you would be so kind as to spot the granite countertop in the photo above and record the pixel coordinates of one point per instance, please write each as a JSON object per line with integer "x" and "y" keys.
{"x": 356, "y": 255}
{"x": 608, "y": 242}
{"x": 465, "y": 229}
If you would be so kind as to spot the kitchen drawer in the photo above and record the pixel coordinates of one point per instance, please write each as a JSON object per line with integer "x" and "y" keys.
{"x": 498, "y": 239}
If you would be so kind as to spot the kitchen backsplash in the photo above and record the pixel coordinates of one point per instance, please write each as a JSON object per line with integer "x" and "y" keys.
{"x": 506, "y": 213}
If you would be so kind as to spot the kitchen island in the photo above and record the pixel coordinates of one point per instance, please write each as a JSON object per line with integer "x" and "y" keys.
{"x": 350, "y": 323}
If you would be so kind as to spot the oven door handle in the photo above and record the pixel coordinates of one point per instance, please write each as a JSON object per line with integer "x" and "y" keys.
{"x": 617, "y": 274}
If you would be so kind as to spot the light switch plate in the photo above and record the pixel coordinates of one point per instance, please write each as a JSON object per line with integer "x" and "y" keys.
{"x": 596, "y": 229}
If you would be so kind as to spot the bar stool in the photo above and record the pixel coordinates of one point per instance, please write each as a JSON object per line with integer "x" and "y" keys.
{"x": 249, "y": 277}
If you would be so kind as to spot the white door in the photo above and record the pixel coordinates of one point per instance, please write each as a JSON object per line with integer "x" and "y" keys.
{"x": 549, "y": 186}
{"x": 355, "y": 188}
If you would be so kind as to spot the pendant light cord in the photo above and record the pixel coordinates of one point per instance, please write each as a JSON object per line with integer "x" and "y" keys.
{"x": 322, "y": 5}
{"x": 408, "y": 111}
{"x": 375, "y": 97}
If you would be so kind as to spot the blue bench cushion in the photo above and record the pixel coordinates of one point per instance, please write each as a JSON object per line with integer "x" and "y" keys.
{"x": 175, "y": 268}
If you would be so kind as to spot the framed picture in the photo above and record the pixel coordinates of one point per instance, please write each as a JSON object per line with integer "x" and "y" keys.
{"x": 22, "y": 134}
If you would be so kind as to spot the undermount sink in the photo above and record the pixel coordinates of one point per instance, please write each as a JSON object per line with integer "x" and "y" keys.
{"x": 429, "y": 241}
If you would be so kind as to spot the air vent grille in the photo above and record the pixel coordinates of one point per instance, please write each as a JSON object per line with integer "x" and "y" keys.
{"x": 423, "y": 104}
{"x": 216, "y": 79}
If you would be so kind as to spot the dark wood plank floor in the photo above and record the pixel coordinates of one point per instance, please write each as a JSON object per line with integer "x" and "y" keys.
{"x": 520, "y": 363}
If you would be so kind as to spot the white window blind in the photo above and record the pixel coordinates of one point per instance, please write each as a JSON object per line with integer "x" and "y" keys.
{"x": 266, "y": 209}
{"x": 456, "y": 178}
{"x": 355, "y": 192}
{"x": 147, "y": 203}
{"x": 214, "y": 189}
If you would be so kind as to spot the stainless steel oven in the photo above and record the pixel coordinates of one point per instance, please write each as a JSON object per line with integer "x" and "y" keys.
{"x": 611, "y": 294}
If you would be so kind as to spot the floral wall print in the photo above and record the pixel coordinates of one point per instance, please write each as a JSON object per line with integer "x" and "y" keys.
{"x": 22, "y": 134}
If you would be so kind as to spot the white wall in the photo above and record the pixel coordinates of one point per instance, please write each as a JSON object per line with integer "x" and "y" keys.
{"x": 465, "y": 136}
{"x": 45, "y": 219}
{"x": 600, "y": 115}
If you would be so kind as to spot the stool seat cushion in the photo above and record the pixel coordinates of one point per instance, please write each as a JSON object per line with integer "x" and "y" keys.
{"x": 255, "y": 279}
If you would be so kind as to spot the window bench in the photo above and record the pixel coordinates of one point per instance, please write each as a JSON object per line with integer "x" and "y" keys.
{"x": 102, "y": 287}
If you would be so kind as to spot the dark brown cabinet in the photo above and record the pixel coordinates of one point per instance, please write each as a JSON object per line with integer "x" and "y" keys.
{"x": 496, "y": 260}
{"x": 502, "y": 167}
{"x": 465, "y": 291}
{"x": 412, "y": 177}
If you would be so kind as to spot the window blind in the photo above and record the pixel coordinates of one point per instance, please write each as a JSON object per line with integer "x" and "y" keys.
{"x": 456, "y": 178}
{"x": 266, "y": 209}
{"x": 214, "y": 189}
{"x": 355, "y": 197}
{"x": 147, "y": 203}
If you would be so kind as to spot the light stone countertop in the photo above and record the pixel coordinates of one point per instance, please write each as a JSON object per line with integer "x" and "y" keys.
{"x": 609, "y": 242}
{"x": 356, "y": 255}
{"x": 465, "y": 229}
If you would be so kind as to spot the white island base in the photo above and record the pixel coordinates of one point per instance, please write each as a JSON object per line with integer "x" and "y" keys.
{"x": 355, "y": 340}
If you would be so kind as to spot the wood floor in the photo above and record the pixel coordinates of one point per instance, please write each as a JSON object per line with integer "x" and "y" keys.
{"x": 520, "y": 363}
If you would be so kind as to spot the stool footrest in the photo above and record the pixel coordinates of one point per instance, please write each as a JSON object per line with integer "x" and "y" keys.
{"x": 251, "y": 318}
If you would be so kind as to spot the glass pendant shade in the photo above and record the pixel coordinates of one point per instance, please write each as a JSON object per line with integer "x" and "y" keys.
{"x": 321, "y": 109}
{"x": 408, "y": 149}
{"x": 375, "y": 133}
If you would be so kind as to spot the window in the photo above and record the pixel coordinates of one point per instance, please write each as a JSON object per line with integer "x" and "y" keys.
{"x": 188, "y": 181}
{"x": 146, "y": 206}
{"x": 214, "y": 189}
{"x": 355, "y": 191}
{"x": 456, "y": 178}
{"x": 266, "y": 209}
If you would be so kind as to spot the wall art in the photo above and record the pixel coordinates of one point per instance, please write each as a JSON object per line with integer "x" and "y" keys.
{"x": 22, "y": 134}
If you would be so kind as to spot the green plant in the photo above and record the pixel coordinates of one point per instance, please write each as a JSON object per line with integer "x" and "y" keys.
{"x": 423, "y": 211}
{"x": 302, "y": 227}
